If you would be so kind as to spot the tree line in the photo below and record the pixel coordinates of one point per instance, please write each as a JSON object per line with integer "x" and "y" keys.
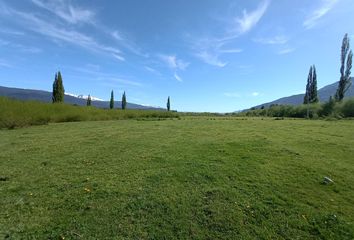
{"x": 344, "y": 81}
{"x": 59, "y": 92}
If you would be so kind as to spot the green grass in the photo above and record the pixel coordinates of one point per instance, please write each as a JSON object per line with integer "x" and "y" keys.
{"x": 15, "y": 113}
{"x": 192, "y": 178}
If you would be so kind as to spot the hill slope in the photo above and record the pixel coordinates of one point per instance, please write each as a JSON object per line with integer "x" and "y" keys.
{"x": 323, "y": 93}
{"x": 44, "y": 96}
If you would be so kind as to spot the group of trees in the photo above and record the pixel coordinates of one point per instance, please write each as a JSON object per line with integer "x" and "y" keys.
{"x": 311, "y": 87}
{"x": 344, "y": 82}
{"x": 58, "y": 94}
{"x": 124, "y": 101}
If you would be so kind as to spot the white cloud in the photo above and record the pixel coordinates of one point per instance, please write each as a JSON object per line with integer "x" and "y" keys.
{"x": 277, "y": 40}
{"x": 55, "y": 33}
{"x": 235, "y": 50}
{"x": 255, "y": 94}
{"x": 66, "y": 11}
{"x": 178, "y": 78}
{"x": 152, "y": 70}
{"x": 286, "y": 51}
{"x": 120, "y": 58}
{"x": 318, "y": 13}
{"x": 209, "y": 49}
{"x": 249, "y": 20}
{"x": 121, "y": 80}
{"x": 211, "y": 59}
{"x": 174, "y": 63}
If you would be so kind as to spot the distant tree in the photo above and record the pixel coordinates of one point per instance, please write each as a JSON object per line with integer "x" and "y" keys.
{"x": 111, "y": 102}
{"x": 328, "y": 107}
{"x": 311, "y": 87}
{"x": 88, "y": 103}
{"x": 58, "y": 89}
{"x": 313, "y": 90}
{"x": 124, "y": 101}
{"x": 345, "y": 69}
{"x": 308, "y": 87}
{"x": 168, "y": 103}
{"x": 262, "y": 107}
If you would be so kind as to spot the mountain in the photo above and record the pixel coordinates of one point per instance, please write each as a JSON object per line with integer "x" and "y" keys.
{"x": 44, "y": 96}
{"x": 323, "y": 94}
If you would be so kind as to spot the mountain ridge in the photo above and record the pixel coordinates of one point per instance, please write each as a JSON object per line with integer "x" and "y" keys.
{"x": 45, "y": 96}
{"x": 323, "y": 93}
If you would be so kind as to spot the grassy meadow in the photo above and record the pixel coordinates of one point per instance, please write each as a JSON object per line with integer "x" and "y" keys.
{"x": 16, "y": 113}
{"x": 187, "y": 178}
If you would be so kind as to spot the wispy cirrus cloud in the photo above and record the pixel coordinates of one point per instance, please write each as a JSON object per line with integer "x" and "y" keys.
{"x": 65, "y": 10}
{"x": 313, "y": 18}
{"x": 118, "y": 57}
{"x": 152, "y": 70}
{"x": 210, "y": 49}
{"x": 250, "y": 19}
{"x": 173, "y": 62}
{"x": 211, "y": 58}
{"x": 276, "y": 40}
{"x": 177, "y": 77}
{"x": 94, "y": 73}
{"x": 55, "y": 32}
{"x": 286, "y": 51}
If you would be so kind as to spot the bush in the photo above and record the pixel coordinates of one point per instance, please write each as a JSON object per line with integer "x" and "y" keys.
{"x": 347, "y": 108}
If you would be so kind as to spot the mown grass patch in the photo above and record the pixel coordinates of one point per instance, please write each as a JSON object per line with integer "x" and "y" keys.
{"x": 190, "y": 179}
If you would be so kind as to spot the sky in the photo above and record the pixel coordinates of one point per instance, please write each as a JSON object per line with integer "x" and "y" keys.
{"x": 207, "y": 55}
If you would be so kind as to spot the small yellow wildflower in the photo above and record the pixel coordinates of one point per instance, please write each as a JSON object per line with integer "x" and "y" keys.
{"x": 87, "y": 189}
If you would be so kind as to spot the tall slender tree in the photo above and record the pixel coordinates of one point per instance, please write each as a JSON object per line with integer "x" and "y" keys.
{"x": 345, "y": 69}
{"x": 111, "y": 102}
{"x": 88, "y": 103}
{"x": 311, "y": 87}
{"x": 314, "y": 95}
{"x": 168, "y": 103}
{"x": 124, "y": 101}
{"x": 58, "y": 89}
{"x": 308, "y": 87}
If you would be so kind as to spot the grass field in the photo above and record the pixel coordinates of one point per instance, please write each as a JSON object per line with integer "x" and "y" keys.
{"x": 193, "y": 178}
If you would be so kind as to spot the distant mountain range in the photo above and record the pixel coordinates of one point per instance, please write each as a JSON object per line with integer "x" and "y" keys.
{"x": 44, "y": 96}
{"x": 323, "y": 93}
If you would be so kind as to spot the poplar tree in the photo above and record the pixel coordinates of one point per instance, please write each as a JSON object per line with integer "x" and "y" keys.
{"x": 168, "y": 103}
{"x": 111, "y": 102}
{"x": 314, "y": 95}
{"x": 311, "y": 87}
{"x": 124, "y": 101}
{"x": 58, "y": 89}
{"x": 88, "y": 103}
{"x": 345, "y": 69}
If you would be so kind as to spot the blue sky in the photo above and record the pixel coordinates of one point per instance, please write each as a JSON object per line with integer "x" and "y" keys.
{"x": 208, "y": 55}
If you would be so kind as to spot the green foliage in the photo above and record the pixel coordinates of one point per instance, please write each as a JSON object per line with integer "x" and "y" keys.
{"x": 347, "y": 108}
{"x": 58, "y": 89}
{"x": 237, "y": 179}
{"x": 15, "y": 113}
{"x": 311, "y": 87}
{"x": 88, "y": 102}
{"x": 316, "y": 110}
{"x": 111, "y": 102}
{"x": 168, "y": 103}
{"x": 327, "y": 108}
{"x": 124, "y": 101}
{"x": 345, "y": 69}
